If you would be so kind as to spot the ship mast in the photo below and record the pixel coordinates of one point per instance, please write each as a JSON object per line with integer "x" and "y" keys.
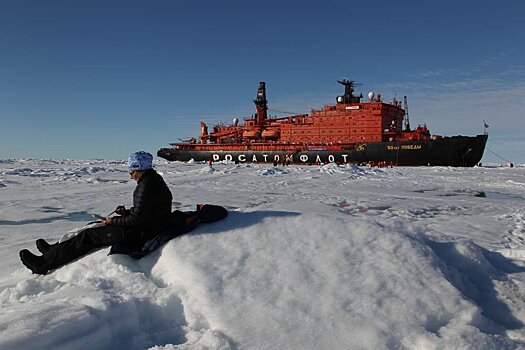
{"x": 261, "y": 104}
{"x": 348, "y": 97}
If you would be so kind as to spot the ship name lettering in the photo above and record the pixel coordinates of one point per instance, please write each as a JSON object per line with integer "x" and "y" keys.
{"x": 410, "y": 146}
{"x": 276, "y": 158}
{"x": 265, "y": 156}
{"x": 216, "y": 157}
{"x": 344, "y": 157}
{"x": 331, "y": 158}
{"x": 241, "y": 158}
{"x": 404, "y": 147}
{"x": 318, "y": 159}
{"x": 228, "y": 157}
{"x": 254, "y": 159}
{"x": 303, "y": 158}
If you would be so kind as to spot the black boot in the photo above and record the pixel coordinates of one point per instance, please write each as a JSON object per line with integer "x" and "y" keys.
{"x": 33, "y": 262}
{"x": 43, "y": 246}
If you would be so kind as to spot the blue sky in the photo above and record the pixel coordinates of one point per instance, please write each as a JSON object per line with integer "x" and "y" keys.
{"x": 100, "y": 79}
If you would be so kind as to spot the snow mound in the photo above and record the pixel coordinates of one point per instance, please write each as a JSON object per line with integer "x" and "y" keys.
{"x": 271, "y": 171}
{"x": 351, "y": 169}
{"x": 289, "y": 269}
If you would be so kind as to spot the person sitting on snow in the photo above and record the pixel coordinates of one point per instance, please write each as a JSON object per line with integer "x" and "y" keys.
{"x": 151, "y": 210}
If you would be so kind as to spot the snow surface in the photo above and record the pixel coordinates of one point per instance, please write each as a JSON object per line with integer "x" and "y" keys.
{"x": 321, "y": 257}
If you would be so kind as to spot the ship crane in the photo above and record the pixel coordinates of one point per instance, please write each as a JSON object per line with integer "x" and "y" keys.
{"x": 407, "y": 121}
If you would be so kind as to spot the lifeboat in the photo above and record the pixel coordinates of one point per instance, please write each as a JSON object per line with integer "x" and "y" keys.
{"x": 251, "y": 134}
{"x": 270, "y": 134}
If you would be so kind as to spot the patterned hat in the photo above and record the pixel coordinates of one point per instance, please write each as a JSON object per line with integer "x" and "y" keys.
{"x": 140, "y": 161}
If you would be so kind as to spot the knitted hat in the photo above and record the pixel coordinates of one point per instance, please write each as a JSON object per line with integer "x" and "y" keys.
{"x": 140, "y": 161}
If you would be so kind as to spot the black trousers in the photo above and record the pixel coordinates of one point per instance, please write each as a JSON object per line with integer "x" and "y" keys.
{"x": 88, "y": 241}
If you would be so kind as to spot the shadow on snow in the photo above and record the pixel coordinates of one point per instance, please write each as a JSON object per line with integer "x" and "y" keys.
{"x": 473, "y": 270}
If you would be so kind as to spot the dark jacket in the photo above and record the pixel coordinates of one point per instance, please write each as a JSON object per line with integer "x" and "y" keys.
{"x": 151, "y": 205}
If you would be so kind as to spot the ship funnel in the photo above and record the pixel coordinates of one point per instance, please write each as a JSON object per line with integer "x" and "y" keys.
{"x": 261, "y": 104}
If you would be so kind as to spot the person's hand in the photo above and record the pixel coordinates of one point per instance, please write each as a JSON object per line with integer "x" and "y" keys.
{"x": 121, "y": 210}
{"x": 107, "y": 221}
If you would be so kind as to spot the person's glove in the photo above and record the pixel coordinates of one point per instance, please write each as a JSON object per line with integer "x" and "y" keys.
{"x": 121, "y": 210}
